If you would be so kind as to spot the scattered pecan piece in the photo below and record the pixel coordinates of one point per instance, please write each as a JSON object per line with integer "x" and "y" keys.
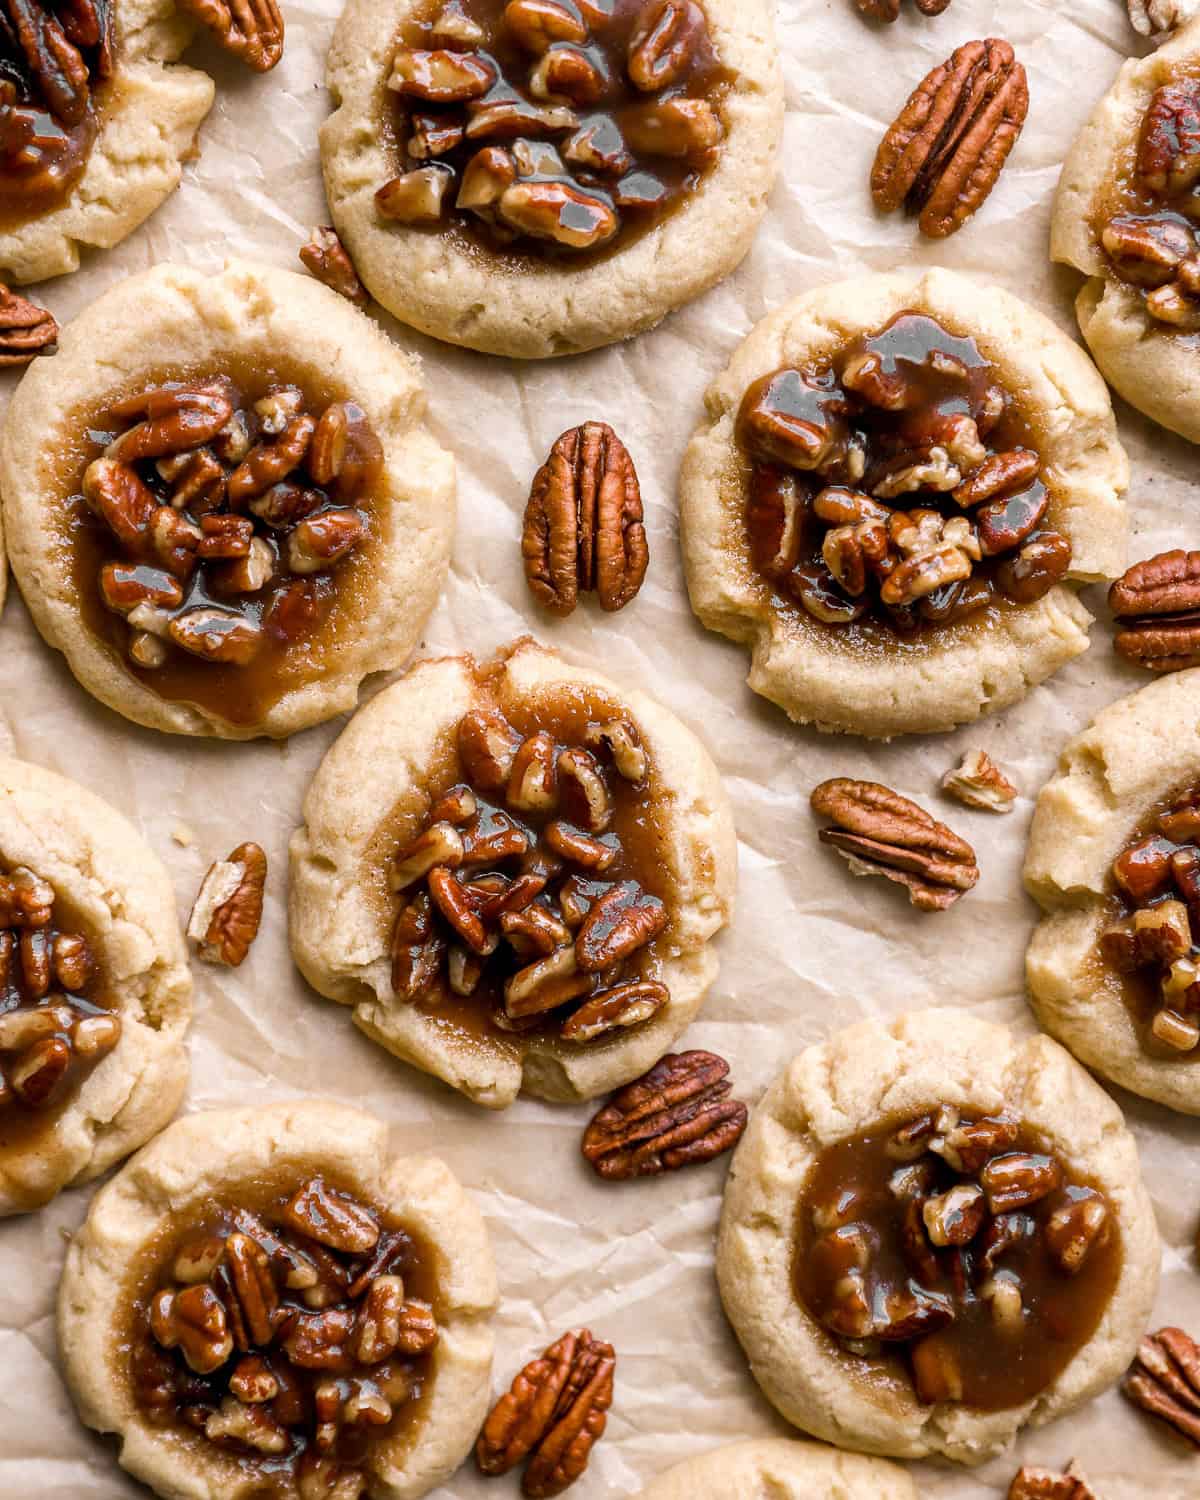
{"x": 228, "y": 909}
{"x": 556, "y": 1411}
{"x": 946, "y": 150}
{"x": 26, "y": 330}
{"x": 1165, "y": 1380}
{"x": 980, "y": 783}
{"x": 1157, "y": 603}
{"x": 889, "y": 10}
{"x": 679, "y": 1114}
{"x": 882, "y": 833}
{"x": 1158, "y": 17}
{"x": 584, "y": 523}
{"x": 1032, "y": 1483}
{"x": 251, "y": 29}
{"x": 329, "y": 261}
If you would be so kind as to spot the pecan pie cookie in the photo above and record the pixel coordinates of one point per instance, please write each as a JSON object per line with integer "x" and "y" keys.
{"x": 934, "y": 1233}
{"x": 899, "y": 484}
{"x": 783, "y": 1471}
{"x": 237, "y": 514}
{"x": 512, "y": 872}
{"x": 539, "y": 177}
{"x": 1126, "y": 215}
{"x": 96, "y": 988}
{"x": 1114, "y": 860}
{"x": 98, "y": 117}
{"x": 269, "y": 1301}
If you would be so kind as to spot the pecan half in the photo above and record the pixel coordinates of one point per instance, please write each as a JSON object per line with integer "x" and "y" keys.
{"x": 882, "y": 833}
{"x": 1032, "y": 1483}
{"x": 26, "y": 330}
{"x": 1165, "y": 1380}
{"x": 1157, "y": 603}
{"x": 228, "y": 909}
{"x": 946, "y": 150}
{"x": 329, "y": 261}
{"x": 556, "y": 1411}
{"x": 889, "y": 10}
{"x": 679, "y": 1114}
{"x": 584, "y": 523}
{"x": 980, "y": 783}
{"x": 251, "y": 29}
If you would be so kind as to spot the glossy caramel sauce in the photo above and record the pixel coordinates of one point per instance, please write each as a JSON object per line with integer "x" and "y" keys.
{"x": 999, "y": 1368}
{"x": 639, "y": 823}
{"x": 241, "y": 695}
{"x": 652, "y": 189}
{"x": 905, "y": 347}
{"x": 269, "y": 1476}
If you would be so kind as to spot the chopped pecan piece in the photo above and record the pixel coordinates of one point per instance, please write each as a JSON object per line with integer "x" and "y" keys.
{"x": 329, "y": 261}
{"x": 1165, "y": 1380}
{"x": 1157, "y": 604}
{"x": 889, "y": 10}
{"x": 332, "y": 1219}
{"x": 980, "y": 783}
{"x": 1157, "y": 18}
{"x": 228, "y": 909}
{"x": 1033, "y": 1483}
{"x": 679, "y": 1114}
{"x": 583, "y": 523}
{"x": 626, "y": 1004}
{"x": 26, "y": 330}
{"x": 252, "y": 30}
{"x": 945, "y": 152}
{"x": 882, "y": 833}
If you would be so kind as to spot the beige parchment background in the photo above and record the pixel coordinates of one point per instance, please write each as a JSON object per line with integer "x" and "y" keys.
{"x": 809, "y": 951}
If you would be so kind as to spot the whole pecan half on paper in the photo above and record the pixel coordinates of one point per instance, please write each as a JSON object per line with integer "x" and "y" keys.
{"x": 882, "y": 833}
{"x": 1157, "y": 603}
{"x": 324, "y": 255}
{"x": 1165, "y": 1380}
{"x": 1035, "y": 1483}
{"x": 679, "y": 1114}
{"x": 947, "y": 148}
{"x": 556, "y": 1410}
{"x": 228, "y": 909}
{"x": 889, "y": 10}
{"x": 584, "y": 523}
{"x": 252, "y": 30}
{"x": 26, "y": 330}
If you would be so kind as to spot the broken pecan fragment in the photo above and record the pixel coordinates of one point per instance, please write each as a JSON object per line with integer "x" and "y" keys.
{"x": 226, "y": 916}
{"x": 252, "y": 30}
{"x": 945, "y": 152}
{"x": 889, "y": 10}
{"x": 980, "y": 783}
{"x": 679, "y": 1114}
{"x": 1165, "y": 1380}
{"x": 1033, "y": 1483}
{"x": 554, "y": 1414}
{"x": 26, "y": 330}
{"x": 583, "y": 524}
{"x": 882, "y": 833}
{"x": 1157, "y": 604}
{"x": 329, "y": 261}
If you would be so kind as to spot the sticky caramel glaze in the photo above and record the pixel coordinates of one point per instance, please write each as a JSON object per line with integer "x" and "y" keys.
{"x": 639, "y": 822}
{"x": 240, "y": 695}
{"x": 903, "y": 344}
{"x": 998, "y": 1372}
{"x": 706, "y": 79}
{"x": 24, "y": 1131}
{"x": 150, "y": 1269}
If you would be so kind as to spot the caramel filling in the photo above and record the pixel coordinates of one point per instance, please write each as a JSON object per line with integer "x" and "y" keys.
{"x": 896, "y": 488}
{"x": 533, "y": 899}
{"x": 215, "y": 534}
{"x": 290, "y": 1326}
{"x": 957, "y": 1254}
{"x": 1148, "y": 941}
{"x": 558, "y": 129}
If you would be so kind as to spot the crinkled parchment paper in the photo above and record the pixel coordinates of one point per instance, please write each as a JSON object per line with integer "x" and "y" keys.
{"x": 809, "y": 951}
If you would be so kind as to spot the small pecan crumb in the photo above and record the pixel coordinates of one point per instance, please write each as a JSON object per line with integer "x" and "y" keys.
{"x": 980, "y": 783}
{"x": 1034, "y": 1483}
{"x": 329, "y": 261}
{"x": 26, "y": 330}
{"x": 879, "y": 832}
{"x": 679, "y": 1114}
{"x": 554, "y": 1414}
{"x": 1165, "y": 1380}
{"x": 228, "y": 909}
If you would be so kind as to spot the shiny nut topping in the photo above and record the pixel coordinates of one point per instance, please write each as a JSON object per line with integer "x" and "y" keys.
{"x": 1165, "y": 1380}
{"x": 554, "y": 1414}
{"x": 583, "y": 526}
{"x": 1157, "y": 604}
{"x": 252, "y": 30}
{"x": 26, "y": 330}
{"x": 879, "y": 832}
{"x": 947, "y": 148}
{"x": 329, "y": 261}
{"x": 1033, "y": 1483}
{"x": 980, "y": 783}
{"x": 228, "y": 909}
{"x": 679, "y": 1114}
